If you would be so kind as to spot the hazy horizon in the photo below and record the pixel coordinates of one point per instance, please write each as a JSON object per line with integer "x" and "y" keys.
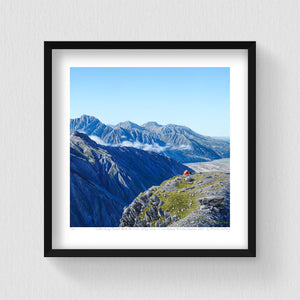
{"x": 198, "y": 98}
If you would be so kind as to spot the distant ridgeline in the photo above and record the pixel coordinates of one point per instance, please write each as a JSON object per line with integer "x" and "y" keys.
{"x": 174, "y": 141}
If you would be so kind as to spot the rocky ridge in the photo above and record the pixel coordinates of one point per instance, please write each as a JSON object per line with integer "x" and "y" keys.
{"x": 175, "y": 141}
{"x": 196, "y": 200}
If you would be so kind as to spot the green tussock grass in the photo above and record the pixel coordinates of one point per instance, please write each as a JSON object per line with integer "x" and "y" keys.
{"x": 178, "y": 203}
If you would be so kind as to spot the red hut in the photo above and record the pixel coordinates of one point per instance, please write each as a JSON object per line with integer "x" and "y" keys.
{"x": 186, "y": 172}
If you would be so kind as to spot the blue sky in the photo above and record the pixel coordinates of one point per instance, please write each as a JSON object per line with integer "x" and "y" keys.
{"x": 195, "y": 97}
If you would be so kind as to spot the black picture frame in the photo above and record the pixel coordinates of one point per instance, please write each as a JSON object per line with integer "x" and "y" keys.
{"x": 250, "y": 46}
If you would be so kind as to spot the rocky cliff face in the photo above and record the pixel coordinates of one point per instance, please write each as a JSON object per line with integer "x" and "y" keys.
{"x": 105, "y": 179}
{"x": 197, "y": 200}
{"x": 177, "y": 142}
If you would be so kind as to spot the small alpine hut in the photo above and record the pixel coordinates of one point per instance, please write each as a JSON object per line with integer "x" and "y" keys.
{"x": 186, "y": 172}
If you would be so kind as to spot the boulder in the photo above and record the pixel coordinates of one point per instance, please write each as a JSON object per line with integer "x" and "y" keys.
{"x": 140, "y": 223}
{"x": 188, "y": 179}
{"x": 136, "y": 206}
{"x": 203, "y": 207}
{"x": 168, "y": 221}
{"x": 160, "y": 212}
{"x": 211, "y": 201}
{"x": 143, "y": 198}
{"x": 154, "y": 200}
{"x": 178, "y": 179}
{"x": 153, "y": 188}
{"x": 126, "y": 210}
{"x": 148, "y": 216}
{"x": 216, "y": 201}
{"x": 148, "y": 194}
{"x": 153, "y": 214}
{"x": 161, "y": 202}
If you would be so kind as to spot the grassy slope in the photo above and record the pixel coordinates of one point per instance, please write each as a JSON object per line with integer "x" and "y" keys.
{"x": 186, "y": 202}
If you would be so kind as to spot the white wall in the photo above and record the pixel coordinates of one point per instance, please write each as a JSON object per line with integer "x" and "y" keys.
{"x": 25, "y": 274}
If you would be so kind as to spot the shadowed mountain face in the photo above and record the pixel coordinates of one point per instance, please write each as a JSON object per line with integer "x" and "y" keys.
{"x": 105, "y": 179}
{"x": 178, "y": 142}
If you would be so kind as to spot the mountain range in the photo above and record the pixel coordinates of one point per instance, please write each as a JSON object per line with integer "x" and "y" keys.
{"x": 175, "y": 141}
{"x": 104, "y": 179}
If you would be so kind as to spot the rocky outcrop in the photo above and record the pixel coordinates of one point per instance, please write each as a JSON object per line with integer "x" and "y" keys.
{"x": 197, "y": 200}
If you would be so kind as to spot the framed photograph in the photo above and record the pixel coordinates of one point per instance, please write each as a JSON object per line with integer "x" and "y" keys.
{"x": 149, "y": 149}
